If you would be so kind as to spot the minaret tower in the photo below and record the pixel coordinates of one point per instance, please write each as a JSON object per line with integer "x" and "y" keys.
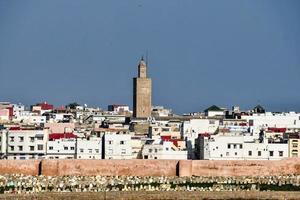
{"x": 142, "y": 92}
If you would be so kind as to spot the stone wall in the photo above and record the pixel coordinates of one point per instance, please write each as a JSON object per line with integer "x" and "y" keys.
{"x": 238, "y": 168}
{"x": 150, "y": 167}
{"x": 26, "y": 167}
{"x": 110, "y": 167}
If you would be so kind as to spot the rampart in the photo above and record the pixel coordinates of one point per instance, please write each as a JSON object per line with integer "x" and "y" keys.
{"x": 238, "y": 167}
{"x": 109, "y": 167}
{"x": 150, "y": 167}
{"x": 26, "y": 167}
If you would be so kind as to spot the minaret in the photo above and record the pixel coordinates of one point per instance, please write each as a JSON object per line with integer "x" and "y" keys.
{"x": 142, "y": 92}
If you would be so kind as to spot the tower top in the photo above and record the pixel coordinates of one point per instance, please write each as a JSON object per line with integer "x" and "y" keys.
{"x": 142, "y": 69}
{"x": 142, "y": 62}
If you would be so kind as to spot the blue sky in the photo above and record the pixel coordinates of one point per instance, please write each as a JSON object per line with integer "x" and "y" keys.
{"x": 200, "y": 52}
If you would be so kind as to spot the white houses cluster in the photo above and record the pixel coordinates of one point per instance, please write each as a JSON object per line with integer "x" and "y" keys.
{"x": 81, "y": 132}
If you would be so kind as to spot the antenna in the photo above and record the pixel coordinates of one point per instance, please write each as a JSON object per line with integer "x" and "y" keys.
{"x": 147, "y": 58}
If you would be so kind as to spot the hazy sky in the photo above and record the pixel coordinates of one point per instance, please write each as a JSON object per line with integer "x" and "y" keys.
{"x": 200, "y": 52}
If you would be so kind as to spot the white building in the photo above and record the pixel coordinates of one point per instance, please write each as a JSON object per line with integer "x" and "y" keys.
{"x": 116, "y": 108}
{"x": 30, "y": 118}
{"x": 117, "y": 146}
{"x": 160, "y": 111}
{"x": 18, "y": 109}
{"x": 3, "y": 143}
{"x": 25, "y": 144}
{"x": 68, "y": 146}
{"x": 62, "y": 148}
{"x": 90, "y": 148}
{"x": 160, "y": 149}
{"x": 192, "y": 128}
{"x": 172, "y": 129}
{"x": 268, "y": 119}
{"x": 214, "y": 111}
{"x": 239, "y": 146}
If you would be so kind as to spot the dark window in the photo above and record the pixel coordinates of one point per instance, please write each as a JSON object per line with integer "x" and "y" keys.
{"x": 40, "y": 147}
{"x": 249, "y": 153}
{"x": 259, "y": 153}
{"x": 271, "y": 153}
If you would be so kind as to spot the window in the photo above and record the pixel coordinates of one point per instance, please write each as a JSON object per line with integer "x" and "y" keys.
{"x": 72, "y": 148}
{"x": 50, "y": 148}
{"x": 66, "y": 148}
{"x": 155, "y": 150}
{"x": 259, "y": 153}
{"x": 167, "y": 148}
{"x": 81, "y": 150}
{"x": 31, "y": 148}
{"x": 295, "y": 145}
{"x": 90, "y": 150}
{"x": 294, "y": 155}
{"x": 20, "y": 148}
{"x": 235, "y": 153}
{"x": 21, "y": 139}
{"x": 249, "y": 153}
{"x": 271, "y": 153}
{"x": 97, "y": 150}
{"x": 31, "y": 139}
{"x": 110, "y": 142}
{"x": 40, "y": 137}
{"x": 234, "y": 146}
{"x": 280, "y": 153}
{"x": 228, "y": 146}
{"x": 122, "y": 142}
{"x": 12, "y": 148}
{"x": 110, "y": 151}
{"x": 40, "y": 147}
{"x": 241, "y": 146}
{"x": 12, "y": 139}
{"x": 150, "y": 150}
{"x": 123, "y": 151}
{"x": 211, "y": 122}
{"x": 227, "y": 153}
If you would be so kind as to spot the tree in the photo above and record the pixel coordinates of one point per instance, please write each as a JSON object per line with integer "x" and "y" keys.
{"x": 72, "y": 105}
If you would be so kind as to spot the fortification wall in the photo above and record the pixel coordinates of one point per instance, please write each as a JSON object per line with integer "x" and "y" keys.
{"x": 150, "y": 167}
{"x": 110, "y": 167}
{"x": 26, "y": 167}
{"x": 238, "y": 168}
